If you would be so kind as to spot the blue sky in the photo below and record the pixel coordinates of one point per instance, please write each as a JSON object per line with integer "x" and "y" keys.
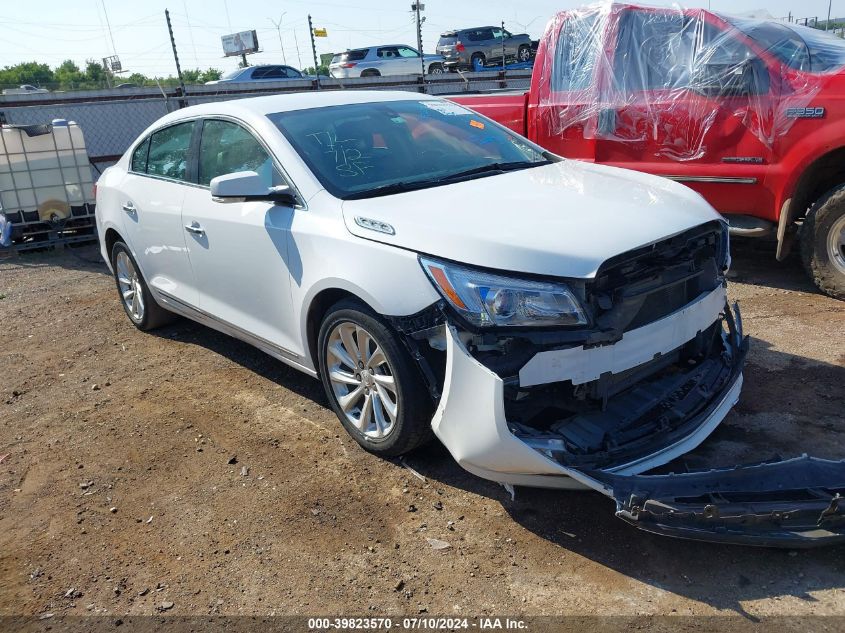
{"x": 50, "y": 31}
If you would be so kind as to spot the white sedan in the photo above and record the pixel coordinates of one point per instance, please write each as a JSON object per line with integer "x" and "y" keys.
{"x": 553, "y": 323}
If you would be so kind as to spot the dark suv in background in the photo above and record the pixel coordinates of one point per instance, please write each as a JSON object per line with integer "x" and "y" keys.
{"x": 461, "y": 48}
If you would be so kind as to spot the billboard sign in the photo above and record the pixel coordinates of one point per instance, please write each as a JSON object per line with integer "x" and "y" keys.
{"x": 242, "y": 43}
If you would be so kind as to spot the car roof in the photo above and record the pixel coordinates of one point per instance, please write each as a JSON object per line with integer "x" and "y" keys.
{"x": 477, "y": 28}
{"x": 270, "y": 104}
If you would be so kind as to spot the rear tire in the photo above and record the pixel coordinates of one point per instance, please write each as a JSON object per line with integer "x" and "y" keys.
{"x": 134, "y": 294}
{"x": 477, "y": 56}
{"x": 823, "y": 243}
{"x": 374, "y": 386}
{"x": 370, "y": 72}
{"x": 523, "y": 54}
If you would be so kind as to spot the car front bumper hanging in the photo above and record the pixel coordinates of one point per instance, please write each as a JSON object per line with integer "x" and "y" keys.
{"x": 789, "y": 503}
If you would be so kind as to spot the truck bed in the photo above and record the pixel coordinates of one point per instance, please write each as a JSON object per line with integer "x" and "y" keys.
{"x": 508, "y": 108}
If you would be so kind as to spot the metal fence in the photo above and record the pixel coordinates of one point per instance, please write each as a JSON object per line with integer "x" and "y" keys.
{"x": 112, "y": 119}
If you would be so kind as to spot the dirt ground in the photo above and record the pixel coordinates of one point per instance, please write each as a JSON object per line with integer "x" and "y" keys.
{"x": 184, "y": 470}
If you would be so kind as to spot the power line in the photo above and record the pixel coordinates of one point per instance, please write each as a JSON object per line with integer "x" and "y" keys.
{"x": 111, "y": 37}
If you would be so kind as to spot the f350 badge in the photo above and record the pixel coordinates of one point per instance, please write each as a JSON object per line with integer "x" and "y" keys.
{"x": 805, "y": 113}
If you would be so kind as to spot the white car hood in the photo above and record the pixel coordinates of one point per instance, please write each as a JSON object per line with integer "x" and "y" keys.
{"x": 563, "y": 219}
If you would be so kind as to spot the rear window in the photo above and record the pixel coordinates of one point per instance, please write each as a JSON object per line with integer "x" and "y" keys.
{"x": 447, "y": 39}
{"x": 232, "y": 73}
{"x": 354, "y": 56}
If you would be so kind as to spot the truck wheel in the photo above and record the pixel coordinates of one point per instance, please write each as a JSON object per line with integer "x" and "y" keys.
{"x": 524, "y": 53}
{"x": 373, "y": 384}
{"x": 823, "y": 243}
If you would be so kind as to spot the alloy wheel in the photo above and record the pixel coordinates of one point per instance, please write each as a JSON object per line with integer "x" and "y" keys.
{"x": 836, "y": 244}
{"x": 130, "y": 286}
{"x": 362, "y": 380}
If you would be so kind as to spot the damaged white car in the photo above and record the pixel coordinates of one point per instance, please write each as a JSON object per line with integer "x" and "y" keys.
{"x": 553, "y": 323}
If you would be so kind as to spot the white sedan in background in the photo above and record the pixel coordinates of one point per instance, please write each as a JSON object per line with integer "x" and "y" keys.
{"x": 378, "y": 61}
{"x": 553, "y": 323}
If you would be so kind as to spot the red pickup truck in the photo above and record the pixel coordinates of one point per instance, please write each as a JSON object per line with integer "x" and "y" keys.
{"x": 750, "y": 113}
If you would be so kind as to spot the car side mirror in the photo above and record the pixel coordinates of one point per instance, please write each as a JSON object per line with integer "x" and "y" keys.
{"x": 248, "y": 185}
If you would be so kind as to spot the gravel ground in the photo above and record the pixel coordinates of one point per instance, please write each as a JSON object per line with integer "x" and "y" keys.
{"x": 183, "y": 471}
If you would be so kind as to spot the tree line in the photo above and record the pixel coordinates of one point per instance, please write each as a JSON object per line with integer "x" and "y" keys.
{"x": 69, "y": 76}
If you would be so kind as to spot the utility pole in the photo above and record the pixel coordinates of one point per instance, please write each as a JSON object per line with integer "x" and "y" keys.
{"x": 314, "y": 50}
{"x": 182, "y": 102}
{"x": 107, "y": 71}
{"x": 503, "y": 46}
{"x": 416, "y": 8}
{"x": 827, "y": 24}
{"x": 279, "y": 31}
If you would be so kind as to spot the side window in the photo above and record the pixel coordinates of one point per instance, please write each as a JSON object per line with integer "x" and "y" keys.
{"x": 497, "y": 34}
{"x": 139, "y": 157}
{"x": 291, "y": 72}
{"x": 226, "y": 148}
{"x": 387, "y": 52}
{"x": 271, "y": 72}
{"x": 405, "y": 51}
{"x": 576, "y": 53}
{"x": 170, "y": 151}
{"x": 726, "y": 66}
{"x": 655, "y": 50}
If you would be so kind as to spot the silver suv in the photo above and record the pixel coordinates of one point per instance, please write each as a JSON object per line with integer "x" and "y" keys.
{"x": 390, "y": 59}
{"x": 462, "y": 48}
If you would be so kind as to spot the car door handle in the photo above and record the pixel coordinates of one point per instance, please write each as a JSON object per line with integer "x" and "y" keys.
{"x": 129, "y": 208}
{"x": 195, "y": 228}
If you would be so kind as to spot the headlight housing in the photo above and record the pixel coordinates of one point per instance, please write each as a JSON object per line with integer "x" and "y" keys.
{"x": 491, "y": 300}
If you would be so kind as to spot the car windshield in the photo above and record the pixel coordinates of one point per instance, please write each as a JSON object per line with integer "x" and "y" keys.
{"x": 368, "y": 149}
{"x": 799, "y": 47}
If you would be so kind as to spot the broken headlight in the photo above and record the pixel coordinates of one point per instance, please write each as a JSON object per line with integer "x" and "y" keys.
{"x": 491, "y": 300}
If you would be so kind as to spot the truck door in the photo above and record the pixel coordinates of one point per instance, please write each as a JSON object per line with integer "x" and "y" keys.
{"x": 688, "y": 100}
{"x": 561, "y": 112}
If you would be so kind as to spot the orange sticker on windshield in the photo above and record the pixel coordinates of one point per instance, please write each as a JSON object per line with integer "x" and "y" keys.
{"x": 477, "y": 124}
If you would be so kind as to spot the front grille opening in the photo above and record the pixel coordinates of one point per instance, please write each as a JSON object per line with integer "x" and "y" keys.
{"x": 646, "y": 284}
{"x": 630, "y": 413}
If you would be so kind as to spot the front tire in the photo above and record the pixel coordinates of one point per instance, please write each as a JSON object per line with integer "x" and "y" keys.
{"x": 436, "y": 69}
{"x": 135, "y": 296}
{"x": 374, "y": 387}
{"x": 524, "y": 53}
{"x": 823, "y": 243}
